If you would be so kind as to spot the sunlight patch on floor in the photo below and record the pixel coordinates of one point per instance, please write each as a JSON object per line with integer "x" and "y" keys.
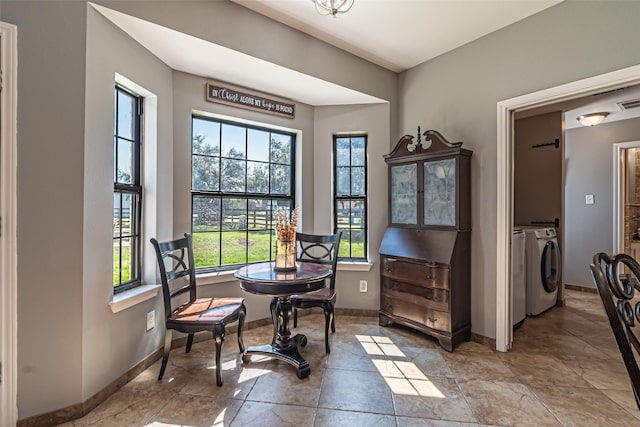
{"x": 402, "y": 377}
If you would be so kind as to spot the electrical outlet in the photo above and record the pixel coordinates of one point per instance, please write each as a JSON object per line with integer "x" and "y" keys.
{"x": 151, "y": 320}
{"x": 363, "y": 286}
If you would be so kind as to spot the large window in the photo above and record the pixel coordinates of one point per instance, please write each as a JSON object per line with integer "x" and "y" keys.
{"x": 127, "y": 190}
{"x": 350, "y": 192}
{"x": 239, "y": 175}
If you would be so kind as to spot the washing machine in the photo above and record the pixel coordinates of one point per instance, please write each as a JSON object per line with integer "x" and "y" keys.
{"x": 543, "y": 265}
{"x": 518, "y": 277}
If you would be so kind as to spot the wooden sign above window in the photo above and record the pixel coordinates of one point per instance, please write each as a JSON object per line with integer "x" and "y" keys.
{"x": 235, "y": 98}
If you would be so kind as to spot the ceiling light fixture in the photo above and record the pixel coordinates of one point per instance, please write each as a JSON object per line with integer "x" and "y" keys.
{"x": 332, "y": 7}
{"x": 592, "y": 119}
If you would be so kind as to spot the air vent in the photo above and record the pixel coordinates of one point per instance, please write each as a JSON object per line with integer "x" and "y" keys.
{"x": 627, "y": 105}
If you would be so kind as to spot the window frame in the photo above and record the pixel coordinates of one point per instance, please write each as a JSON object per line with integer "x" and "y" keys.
{"x": 135, "y": 189}
{"x": 364, "y": 198}
{"x": 245, "y": 195}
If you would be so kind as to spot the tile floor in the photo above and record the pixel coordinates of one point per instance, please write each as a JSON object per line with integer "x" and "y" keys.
{"x": 564, "y": 370}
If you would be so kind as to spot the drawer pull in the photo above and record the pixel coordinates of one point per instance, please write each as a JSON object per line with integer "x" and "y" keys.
{"x": 432, "y": 319}
{"x": 389, "y": 269}
{"x": 431, "y": 277}
{"x": 390, "y": 306}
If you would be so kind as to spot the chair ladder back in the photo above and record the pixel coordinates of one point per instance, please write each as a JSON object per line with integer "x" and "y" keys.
{"x": 180, "y": 254}
{"x": 320, "y": 249}
{"x": 617, "y": 290}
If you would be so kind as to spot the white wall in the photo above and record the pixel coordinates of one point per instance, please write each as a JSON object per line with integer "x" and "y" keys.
{"x": 589, "y": 170}
{"x": 456, "y": 93}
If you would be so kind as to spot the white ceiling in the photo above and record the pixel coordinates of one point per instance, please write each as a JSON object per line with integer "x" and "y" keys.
{"x": 400, "y": 34}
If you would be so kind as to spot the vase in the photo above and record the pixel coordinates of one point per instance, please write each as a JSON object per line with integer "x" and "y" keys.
{"x": 286, "y": 252}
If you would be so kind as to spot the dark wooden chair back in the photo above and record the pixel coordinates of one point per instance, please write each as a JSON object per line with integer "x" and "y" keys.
{"x": 320, "y": 249}
{"x": 177, "y": 270}
{"x": 617, "y": 278}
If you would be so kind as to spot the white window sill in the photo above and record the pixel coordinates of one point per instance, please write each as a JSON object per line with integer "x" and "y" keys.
{"x": 354, "y": 266}
{"x": 213, "y": 278}
{"x": 134, "y": 296}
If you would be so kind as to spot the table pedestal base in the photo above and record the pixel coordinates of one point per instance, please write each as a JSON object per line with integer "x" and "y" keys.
{"x": 289, "y": 354}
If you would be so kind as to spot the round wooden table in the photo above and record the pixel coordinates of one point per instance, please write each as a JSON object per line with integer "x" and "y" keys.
{"x": 261, "y": 279}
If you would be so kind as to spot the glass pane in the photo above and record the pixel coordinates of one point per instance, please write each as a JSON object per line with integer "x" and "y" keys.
{"x": 404, "y": 194}
{"x": 206, "y": 214}
{"x": 234, "y": 247}
{"x": 358, "y": 184}
{"x": 342, "y": 152}
{"x": 343, "y": 187}
{"x": 280, "y": 148}
{"x": 280, "y": 179}
{"x": 343, "y": 210}
{"x": 259, "y": 246}
{"x": 357, "y": 243}
{"x": 115, "y": 159}
{"x": 233, "y": 175}
{"x": 125, "y": 115}
{"x": 259, "y": 214}
{"x": 116, "y": 262}
{"x": 234, "y": 141}
{"x": 206, "y": 137}
{"x": 125, "y": 266}
{"x": 440, "y": 192}
{"x": 124, "y": 162}
{"x": 357, "y": 214}
{"x": 357, "y": 152}
{"x": 257, "y": 177}
{"x": 206, "y": 249}
{"x": 205, "y": 173}
{"x": 126, "y": 214}
{"x": 116, "y": 214}
{"x": 257, "y": 145}
{"x": 234, "y": 214}
{"x": 345, "y": 247}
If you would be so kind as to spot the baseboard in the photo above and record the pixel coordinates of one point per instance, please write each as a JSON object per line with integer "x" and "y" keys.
{"x": 580, "y": 288}
{"x": 79, "y": 410}
{"x": 486, "y": 341}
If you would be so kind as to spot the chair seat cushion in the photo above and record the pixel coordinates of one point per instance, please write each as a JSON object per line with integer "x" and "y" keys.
{"x": 324, "y": 294}
{"x": 207, "y": 310}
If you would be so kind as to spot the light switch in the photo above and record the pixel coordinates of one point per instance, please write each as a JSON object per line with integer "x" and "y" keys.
{"x": 588, "y": 199}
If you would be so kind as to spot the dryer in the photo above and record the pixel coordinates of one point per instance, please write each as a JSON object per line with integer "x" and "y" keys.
{"x": 543, "y": 264}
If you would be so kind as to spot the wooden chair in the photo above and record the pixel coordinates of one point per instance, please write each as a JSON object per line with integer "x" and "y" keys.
{"x": 321, "y": 249}
{"x": 198, "y": 314}
{"x": 616, "y": 278}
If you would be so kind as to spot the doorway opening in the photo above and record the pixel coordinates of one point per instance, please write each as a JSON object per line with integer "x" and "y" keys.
{"x": 504, "y": 215}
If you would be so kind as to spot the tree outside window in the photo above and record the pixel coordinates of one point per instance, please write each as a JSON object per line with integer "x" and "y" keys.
{"x": 239, "y": 175}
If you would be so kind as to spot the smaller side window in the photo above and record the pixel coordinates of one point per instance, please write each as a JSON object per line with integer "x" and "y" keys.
{"x": 127, "y": 191}
{"x": 350, "y": 195}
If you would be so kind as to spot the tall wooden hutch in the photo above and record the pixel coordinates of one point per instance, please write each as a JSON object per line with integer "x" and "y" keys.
{"x": 426, "y": 250}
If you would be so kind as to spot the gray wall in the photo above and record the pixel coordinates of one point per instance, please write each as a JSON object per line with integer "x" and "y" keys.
{"x": 110, "y": 50}
{"x": 589, "y": 170}
{"x": 374, "y": 119}
{"x": 456, "y": 93}
{"x": 69, "y": 343}
{"x": 51, "y": 75}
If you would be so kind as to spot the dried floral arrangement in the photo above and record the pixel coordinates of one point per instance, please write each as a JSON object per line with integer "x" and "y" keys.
{"x": 285, "y": 224}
